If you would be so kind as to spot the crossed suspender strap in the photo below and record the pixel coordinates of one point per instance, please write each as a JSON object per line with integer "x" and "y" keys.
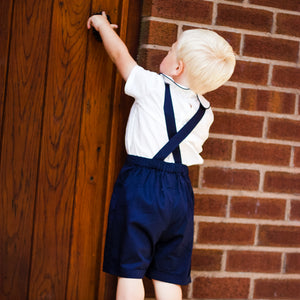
{"x": 170, "y": 121}
{"x": 175, "y": 138}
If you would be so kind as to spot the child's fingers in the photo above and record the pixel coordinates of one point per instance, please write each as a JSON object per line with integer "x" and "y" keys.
{"x": 89, "y": 23}
{"x": 114, "y": 26}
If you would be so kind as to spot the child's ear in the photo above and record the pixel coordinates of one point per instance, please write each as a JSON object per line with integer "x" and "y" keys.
{"x": 179, "y": 68}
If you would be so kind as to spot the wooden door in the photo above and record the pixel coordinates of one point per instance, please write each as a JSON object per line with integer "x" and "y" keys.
{"x": 62, "y": 119}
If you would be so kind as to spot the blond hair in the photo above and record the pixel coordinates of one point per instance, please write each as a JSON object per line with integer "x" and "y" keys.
{"x": 208, "y": 59}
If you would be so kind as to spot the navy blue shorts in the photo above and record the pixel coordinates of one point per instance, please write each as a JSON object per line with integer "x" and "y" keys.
{"x": 150, "y": 223}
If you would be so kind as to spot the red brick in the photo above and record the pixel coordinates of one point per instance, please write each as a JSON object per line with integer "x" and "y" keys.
{"x": 277, "y": 289}
{"x": 151, "y": 59}
{"x": 147, "y": 8}
{"x": 258, "y": 208}
{"x": 288, "y": 77}
{"x": 188, "y": 10}
{"x": 185, "y": 290}
{"x": 288, "y": 24}
{"x": 234, "y": 39}
{"x": 210, "y": 205}
{"x": 224, "y": 97}
{"x": 236, "y": 124}
{"x": 284, "y": 129}
{"x": 194, "y": 175}
{"x": 297, "y": 157}
{"x": 282, "y": 182}
{"x": 246, "y": 18}
{"x": 231, "y": 178}
{"x": 221, "y": 288}
{"x": 158, "y": 33}
{"x": 250, "y": 72}
{"x": 271, "y": 48}
{"x": 217, "y": 149}
{"x": 206, "y": 260}
{"x": 226, "y": 233}
{"x": 253, "y": 261}
{"x": 292, "y": 263}
{"x": 262, "y": 153}
{"x": 272, "y": 101}
{"x": 279, "y": 236}
{"x": 286, "y": 4}
{"x": 295, "y": 210}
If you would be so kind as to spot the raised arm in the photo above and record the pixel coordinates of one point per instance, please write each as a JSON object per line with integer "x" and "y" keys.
{"x": 113, "y": 45}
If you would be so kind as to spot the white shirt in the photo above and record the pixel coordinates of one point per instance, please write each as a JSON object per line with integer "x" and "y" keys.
{"x": 146, "y": 131}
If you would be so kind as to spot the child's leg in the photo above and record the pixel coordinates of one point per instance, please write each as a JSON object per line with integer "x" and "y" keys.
{"x": 167, "y": 291}
{"x": 130, "y": 289}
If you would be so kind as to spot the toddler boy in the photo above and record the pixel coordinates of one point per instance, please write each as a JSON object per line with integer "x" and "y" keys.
{"x": 150, "y": 225}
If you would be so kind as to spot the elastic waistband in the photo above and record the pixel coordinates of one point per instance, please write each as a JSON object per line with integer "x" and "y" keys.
{"x": 157, "y": 164}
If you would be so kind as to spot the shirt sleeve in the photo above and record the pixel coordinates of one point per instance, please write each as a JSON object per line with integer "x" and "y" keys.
{"x": 142, "y": 83}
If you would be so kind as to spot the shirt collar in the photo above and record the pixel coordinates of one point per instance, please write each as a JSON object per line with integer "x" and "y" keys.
{"x": 185, "y": 89}
{"x": 168, "y": 78}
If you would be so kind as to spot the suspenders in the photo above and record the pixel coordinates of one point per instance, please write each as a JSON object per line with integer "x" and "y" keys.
{"x": 170, "y": 122}
{"x": 175, "y": 138}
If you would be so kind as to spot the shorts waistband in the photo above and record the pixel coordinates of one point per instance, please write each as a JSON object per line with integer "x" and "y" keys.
{"x": 157, "y": 164}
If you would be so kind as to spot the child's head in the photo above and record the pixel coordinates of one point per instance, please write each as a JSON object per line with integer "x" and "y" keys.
{"x": 208, "y": 59}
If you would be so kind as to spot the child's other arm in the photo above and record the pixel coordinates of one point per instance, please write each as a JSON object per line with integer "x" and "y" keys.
{"x": 114, "y": 46}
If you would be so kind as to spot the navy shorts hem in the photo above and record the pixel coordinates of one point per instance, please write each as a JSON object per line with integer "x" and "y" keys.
{"x": 138, "y": 274}
{"x": 170, "y": 278}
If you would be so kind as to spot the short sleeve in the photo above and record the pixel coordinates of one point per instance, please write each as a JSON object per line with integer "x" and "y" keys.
{"x": 141, "y": 83}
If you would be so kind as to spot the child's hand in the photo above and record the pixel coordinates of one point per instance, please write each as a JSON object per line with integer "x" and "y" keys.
{"x": 113, "y": 44}
{"x": 97, "y": 21}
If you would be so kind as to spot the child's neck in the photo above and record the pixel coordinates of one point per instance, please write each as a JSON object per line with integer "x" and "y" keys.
{"x": 180, "y": 79}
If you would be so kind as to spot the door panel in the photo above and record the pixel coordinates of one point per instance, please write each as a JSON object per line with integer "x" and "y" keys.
{"x": 88, "y": 220}
{"x": 60, "y": 138}
{"x": 20, "y": 145}
{"x": 63, "y": 116}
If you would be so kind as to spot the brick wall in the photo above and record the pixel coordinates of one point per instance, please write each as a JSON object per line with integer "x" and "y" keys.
{"x": 247, "y": 204}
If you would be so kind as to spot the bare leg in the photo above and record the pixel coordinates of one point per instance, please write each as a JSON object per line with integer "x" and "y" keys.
{"x": 167, "y": 291}
{"x": 130, "y": 289}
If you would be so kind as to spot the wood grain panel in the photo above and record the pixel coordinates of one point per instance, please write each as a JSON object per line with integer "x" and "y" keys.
{"x": 62, "y": 146}
{"x": 5, "y": 25}
{"x": 92, "y": 167}
{"x": 21, "y": 140}
{"x": 54, "y": 206}
{"x": 129, "y": 32}
{"x": 92, "y": 197}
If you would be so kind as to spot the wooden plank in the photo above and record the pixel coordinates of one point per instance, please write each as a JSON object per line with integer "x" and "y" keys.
{"x": 92, "y": 167}
{"x": 107, "y": 283}
{"x": 129, "y": 32}
{"x": 21, "y": 141}
{"x": 59, "y": 150}
{"x": 5, "y": 25}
